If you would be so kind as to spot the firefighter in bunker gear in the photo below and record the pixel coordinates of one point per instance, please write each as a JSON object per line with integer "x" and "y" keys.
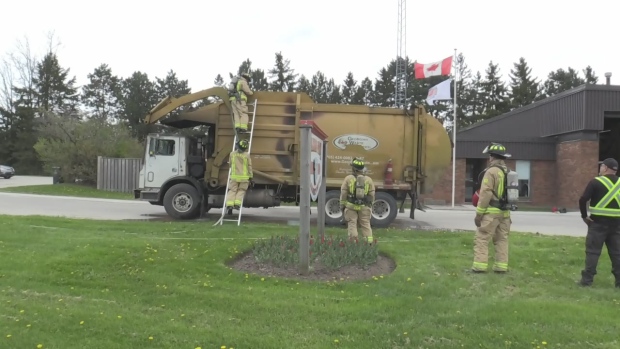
{"x": 492, "y": 213}
{"x": 603, "y": 192}
{"x": 238, "y": 99}
{"x": 357, "y": 195}
{"x": 241, "y": 175}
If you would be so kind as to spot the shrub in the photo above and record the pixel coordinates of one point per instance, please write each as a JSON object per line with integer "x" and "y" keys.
{"x": 332, "y": 253}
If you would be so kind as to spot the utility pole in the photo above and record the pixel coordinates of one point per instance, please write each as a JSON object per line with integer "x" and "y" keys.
{"x": 400, "y": 95}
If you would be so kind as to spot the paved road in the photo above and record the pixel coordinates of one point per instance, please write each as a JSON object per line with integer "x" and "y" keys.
{"x": 446, "y": 219}
{"x": 19, "y": 181}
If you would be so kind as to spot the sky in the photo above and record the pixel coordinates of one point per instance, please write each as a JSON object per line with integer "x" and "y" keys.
{"x": 199, "y": 39}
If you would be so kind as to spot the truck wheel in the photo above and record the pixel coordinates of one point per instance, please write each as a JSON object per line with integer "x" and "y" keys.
{"x": 182, "y": 201}
{"x": 384, "y": 210}
{"x": 333, "y": 214}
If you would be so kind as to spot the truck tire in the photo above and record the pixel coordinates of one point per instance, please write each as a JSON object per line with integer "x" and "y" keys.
{"x": 384, "y": 210}
{"x": 333, "y": 214}
{"x": 182, "y": 201}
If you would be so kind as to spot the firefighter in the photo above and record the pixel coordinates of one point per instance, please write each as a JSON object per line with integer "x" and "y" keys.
{"x": 603, "y": 192}
{"x": 492, "y": 213}
{"x": 241, "y": 175}
{"x": 238, "y": 101}
{"x": 357, "y": 195}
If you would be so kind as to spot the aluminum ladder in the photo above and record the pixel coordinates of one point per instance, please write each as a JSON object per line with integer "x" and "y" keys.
{"x": 238, "y": 219}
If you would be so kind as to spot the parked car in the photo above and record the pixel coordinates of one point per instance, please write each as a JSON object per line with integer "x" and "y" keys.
{"x": 6, "y": 171}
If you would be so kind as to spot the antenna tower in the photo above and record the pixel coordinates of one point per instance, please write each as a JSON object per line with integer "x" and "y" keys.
{"x": 400, "y": 96}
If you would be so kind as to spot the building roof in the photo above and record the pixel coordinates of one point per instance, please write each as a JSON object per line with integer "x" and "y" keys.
{"x": 529, "y": 132}
{"x": 581, "y": 108}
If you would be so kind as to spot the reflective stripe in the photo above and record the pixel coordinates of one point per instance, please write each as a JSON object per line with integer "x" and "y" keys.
{"x": 613, "y": 193}
{"x": 241, "y": 93}
{"x": 500, "y": 266}
{"x": 500, "y": 192}
{"x": 352, "y": 193}
{"x": 479, "y": 266}
{"x": 233, "y": 172}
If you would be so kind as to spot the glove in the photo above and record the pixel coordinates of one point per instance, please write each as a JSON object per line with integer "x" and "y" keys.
{"x": 478, "y": 220}
{"x": 251, "y": 182}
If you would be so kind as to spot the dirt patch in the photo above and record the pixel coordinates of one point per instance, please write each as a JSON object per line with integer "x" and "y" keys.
{"x": 247, "y": 263}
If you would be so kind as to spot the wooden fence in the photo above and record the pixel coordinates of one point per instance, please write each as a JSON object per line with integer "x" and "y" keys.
{"x": 118, "y": 174}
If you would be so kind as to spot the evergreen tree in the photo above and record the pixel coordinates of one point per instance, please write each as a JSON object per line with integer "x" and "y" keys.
{"x": 283, "y": 77}
{"x": 590, "y": 76}
{"x": 304, "y": 85}
{"x": 561, "y": 80}
{"x": 349, "y": 89}
{"x": 219, "y": 80}
{"x": 524, "y": 89}
{"x": 139, "y": 97}
{"x": 103, "y": 93}
{"x": 55, "y": 92}
{"x": 496, "y": 100}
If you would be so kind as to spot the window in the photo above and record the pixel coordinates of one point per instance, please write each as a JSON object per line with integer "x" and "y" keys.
{"x": 162, "y": 147}
{"x": 523, "y": 171}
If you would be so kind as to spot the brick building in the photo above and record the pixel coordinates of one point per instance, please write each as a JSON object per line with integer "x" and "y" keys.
{"x": 555, "y": 143}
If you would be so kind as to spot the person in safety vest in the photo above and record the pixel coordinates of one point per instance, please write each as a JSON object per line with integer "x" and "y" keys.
{"x": 238, "y": 101}
{"x": 357, "y": 194}
{"x": 603, "y": 192}
{"x": 492, "y": 213}
{"x": 241, "y": 175}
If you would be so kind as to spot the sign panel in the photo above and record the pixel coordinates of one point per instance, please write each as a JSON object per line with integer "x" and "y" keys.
{"x": 316, "y": 166}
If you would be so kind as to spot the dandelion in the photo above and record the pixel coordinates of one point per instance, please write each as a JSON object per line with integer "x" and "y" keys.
{"x": 39, "y": 346}
{"x": 336, "y": 341}
{"x": 150, "y": 337}
{"x": 81, "y": 322}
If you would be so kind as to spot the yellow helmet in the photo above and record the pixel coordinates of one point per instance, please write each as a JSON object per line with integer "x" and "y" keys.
{"x": 358, "y": 164}
{"x": 496, "y": 149}
{"x": 243, "y": 144}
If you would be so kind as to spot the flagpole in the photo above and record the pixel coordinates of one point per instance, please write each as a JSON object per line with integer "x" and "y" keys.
{"x": 454, "y": 132}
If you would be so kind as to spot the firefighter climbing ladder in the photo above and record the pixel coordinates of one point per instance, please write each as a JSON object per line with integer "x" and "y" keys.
{"x": 238, "y": 219}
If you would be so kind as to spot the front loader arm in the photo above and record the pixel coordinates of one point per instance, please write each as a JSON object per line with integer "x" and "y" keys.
{"x": 169, "y": 103}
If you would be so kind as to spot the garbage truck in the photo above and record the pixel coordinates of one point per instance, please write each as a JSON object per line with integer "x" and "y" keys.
{"x": 187, "y": 173}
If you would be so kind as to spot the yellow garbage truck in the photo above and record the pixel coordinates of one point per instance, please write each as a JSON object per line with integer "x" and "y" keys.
{"x": 187, "y": 174}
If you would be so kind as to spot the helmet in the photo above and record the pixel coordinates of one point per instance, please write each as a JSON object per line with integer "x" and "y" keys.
{"x": 496, "y": 149}
{"x": 246, "y": 75}
{"x": 357, "y": 164}
{"x": 243, "y": 144}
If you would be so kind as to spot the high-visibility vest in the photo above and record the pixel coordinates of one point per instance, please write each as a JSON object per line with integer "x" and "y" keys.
{"x": 613, "y": 193}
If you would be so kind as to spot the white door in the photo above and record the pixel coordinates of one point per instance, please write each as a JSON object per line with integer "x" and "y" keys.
{"x": 162, "y": 162}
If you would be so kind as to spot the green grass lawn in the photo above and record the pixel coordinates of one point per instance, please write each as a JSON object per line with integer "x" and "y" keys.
{"x": 90, "y": 284}
{"x": 68, "y": 190}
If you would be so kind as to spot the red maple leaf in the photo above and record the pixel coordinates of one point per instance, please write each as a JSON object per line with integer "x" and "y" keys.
{"x": 433, "y": 67}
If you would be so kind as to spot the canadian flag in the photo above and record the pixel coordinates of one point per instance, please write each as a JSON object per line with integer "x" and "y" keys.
{"x": 433, "y": 69}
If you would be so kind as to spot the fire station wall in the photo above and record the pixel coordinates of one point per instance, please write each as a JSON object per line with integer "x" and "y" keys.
{"x": 542, "y": 184}
{"x": 442, "y": 191}
{"x": 577, "y": 164}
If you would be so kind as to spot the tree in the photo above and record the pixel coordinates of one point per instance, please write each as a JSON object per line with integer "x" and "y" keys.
{"x": 283, "y": 77}
{"x": 590, "y": 76}
{"x": 524, "y": 89}
{"x": 55, "y": 91}
{"x": 103, "y": 93}
{"x": 219, "y": 80}
{"x": 349, "y": 88}
{"x": 139, "y": 97}
{"x": 561, "y": 80}
{"x": 496, "y": 100}
{"x": 74, "y": 145}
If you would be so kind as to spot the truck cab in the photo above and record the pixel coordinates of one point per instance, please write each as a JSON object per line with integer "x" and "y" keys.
{"x": 172, "y": 174}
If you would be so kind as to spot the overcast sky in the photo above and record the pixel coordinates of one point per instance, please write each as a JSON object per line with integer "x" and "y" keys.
{"x": 200, "y": 38}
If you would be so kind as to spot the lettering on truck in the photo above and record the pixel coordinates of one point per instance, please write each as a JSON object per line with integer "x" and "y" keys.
{"x": 368, "y": 142}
